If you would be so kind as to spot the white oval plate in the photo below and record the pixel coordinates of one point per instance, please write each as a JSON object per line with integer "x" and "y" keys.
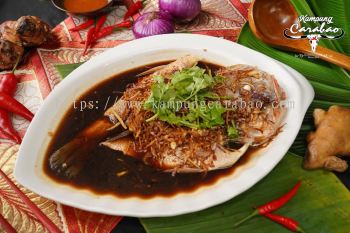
{"x": 29, "y": 172}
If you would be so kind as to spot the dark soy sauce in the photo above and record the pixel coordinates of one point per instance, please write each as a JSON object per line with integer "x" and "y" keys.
{"x": 111, "y": 172}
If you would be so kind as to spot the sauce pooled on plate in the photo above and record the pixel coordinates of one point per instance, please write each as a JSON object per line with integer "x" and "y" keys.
{"x": 112, "y": 172}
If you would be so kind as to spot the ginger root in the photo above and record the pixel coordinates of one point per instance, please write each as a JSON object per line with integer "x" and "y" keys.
{"x": 331, "y": 139}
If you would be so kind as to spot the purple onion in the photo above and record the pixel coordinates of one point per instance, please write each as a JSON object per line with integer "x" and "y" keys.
{"x": 184, "y": 10}
{"x": 153, "y": 23}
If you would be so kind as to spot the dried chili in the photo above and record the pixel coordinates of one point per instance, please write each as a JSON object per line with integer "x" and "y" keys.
{"x": 273, "y": 205}
{"x": 89, "y": 39}
{"x": 124, "y": 24}
{"x": 133, "y": 9}
{"x": 288, "y": 223}
{"x": 100, "y": 22}
{"x": 83, "y": 26}
{"x": 106, "y": 31}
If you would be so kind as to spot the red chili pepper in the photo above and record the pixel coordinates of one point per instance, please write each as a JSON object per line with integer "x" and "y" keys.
{"x": 89, "y": 39}
{"x": 106, "y": 31}
{"x": 279, "y": 202}
{"x": 10, "y": 104}
{"x": 124, "y": 24}
{"x": 82, "y": 26}
{"x": 288, "y": 223}
{"x": 6, "y": 126}
{"x": 100, "y": 22}
{"x": 133, "y": 9}
{"x": 4, "y": 135}
{"x": 8, "y": 85}
{"x": 273, "y": 205}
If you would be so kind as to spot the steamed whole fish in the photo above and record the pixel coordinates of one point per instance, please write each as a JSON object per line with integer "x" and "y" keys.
{"x": 179, "y": 149}
{"x": 182, "y": 149}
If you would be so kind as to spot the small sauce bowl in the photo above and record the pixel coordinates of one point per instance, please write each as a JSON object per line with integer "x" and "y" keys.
{"x": 60, "y": 4}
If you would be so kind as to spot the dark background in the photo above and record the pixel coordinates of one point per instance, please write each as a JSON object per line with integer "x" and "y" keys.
{"x": 13, "y": 9}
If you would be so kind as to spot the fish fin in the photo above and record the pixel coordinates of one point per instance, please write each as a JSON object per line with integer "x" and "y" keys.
{"x": 124, "y": 145}
{"x": 226, "y": 158}
{"x": 69, "y": 159}
{"x": 151, "y": 71}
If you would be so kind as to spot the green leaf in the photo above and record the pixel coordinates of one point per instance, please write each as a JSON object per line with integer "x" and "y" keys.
{"x": 313, "y": 69}
{"x": 299, "y": 146}
{"x": 190, "y": 89}
{"x": 330, "y": 93}
{"x": 65, "y": 69}
{"x": 232, "y": 131}
{"x": 322, "y": 205}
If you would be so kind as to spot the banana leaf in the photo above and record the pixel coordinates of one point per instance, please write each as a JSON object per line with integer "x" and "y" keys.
{"x": 322, "y": 205}
{"x": 299, "y": 146}
{"x": 323, "y": 105}
{"x": 65, "y": 69}
{"x": 313, "y": 69}
{"x": 326, "y": 92}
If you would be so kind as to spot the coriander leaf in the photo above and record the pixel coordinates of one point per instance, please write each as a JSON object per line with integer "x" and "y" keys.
{"x": 187, "y": 99}
{"x": 232, "y": 131}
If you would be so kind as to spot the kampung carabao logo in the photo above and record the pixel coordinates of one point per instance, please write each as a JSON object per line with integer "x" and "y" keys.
{"x": 314, "y": 34}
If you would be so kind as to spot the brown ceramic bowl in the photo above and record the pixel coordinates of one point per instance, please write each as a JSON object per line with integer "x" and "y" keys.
{"x": 59, "y": 4}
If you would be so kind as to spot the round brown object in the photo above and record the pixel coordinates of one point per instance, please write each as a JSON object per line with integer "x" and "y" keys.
{"x": 11, "y": 49}
{"x": 32, "y": 30}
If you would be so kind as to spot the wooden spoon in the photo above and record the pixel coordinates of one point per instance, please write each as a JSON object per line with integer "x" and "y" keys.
{"x": 269, "y": 18}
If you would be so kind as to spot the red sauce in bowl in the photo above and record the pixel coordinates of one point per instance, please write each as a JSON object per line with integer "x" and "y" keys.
{"x": 83, "y": 6}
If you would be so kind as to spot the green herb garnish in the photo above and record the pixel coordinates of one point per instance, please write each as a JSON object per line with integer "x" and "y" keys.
{"x": 186, "y": 100}
{"x": 232, "y": 131}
